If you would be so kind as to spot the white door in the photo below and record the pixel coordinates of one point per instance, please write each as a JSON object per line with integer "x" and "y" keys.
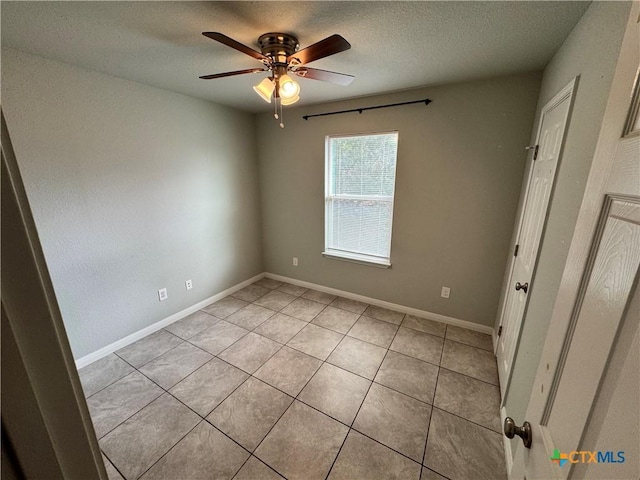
{"x": 553, "y": 121}
{"x": 584, "y": 409}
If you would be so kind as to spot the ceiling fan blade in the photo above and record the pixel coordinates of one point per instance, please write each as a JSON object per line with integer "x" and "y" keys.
{"x": 324, "y": 75}
{"x": 230, "y": 74}
{"x": 329, "y": 46}
{"x": 230, "y": 42}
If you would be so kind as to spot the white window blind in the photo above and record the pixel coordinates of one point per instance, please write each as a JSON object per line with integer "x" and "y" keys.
{"x": 359, "y": 188}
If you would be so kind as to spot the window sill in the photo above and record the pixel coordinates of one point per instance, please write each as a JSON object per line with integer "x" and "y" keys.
{"x": 360, "y": 259}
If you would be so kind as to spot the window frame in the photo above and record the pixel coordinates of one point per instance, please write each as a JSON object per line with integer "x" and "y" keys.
{"x": 351, "y": 256}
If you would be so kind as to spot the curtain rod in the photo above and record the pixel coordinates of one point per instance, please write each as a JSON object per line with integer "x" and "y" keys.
{"x": 426, "y": 101}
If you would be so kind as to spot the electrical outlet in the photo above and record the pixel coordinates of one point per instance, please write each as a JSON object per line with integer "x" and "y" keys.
{"x": 295, "y": 261}
{"x": 188, "y": 284}
{"x": 162, "y": 294}
{"x": 446, "y": 291}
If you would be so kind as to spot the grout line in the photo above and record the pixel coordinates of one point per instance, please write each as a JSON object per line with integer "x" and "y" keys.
{"x": 416, "y": 358}
{"x": 364, "y": 399}
{"x": 318, "y": 369}
{"x": 201, "y": 310}
{"x": 172, "y": 447}
{"x": 112, "y": 464}
{"x": 373, "y": 380}
{"x": 234, "y": 441}
{"x": 107, "y": 386}
{"x": 309, "y": 355}
{"x": 320, "y": 411}
{"x": 469, "y": 345}
{"x": 170, "y": 350}
{"x": 157, "y": 356}
{"x": 137, "y": 411}
{"x": 241, "y": 466}
{"x": 432, "y": 470}
{"x": 471, "y": 377}
{"x": 403, "y": 393}
{"x": 263, "y": 463}
{"x": 338, "y": 454}
{"x": 467, "y": 420}
{"x": 145, "y": 406}
{"x": 278, "y": 388}
{"x": 196, "y": 333}
{"x": 183, "y": 403}
{"x": 225, "y": 348}
{"x": 386, "y": 446}
{"x": 424, "y": 453}
{"x": 324, "y": 307}
{"x": 234, "y": 390}
{"x": 271, "y": 429}
{"x": 335, "y": 366}
{"x": 249, "y": 373}
{"x": 361, "y": 340}
{"x": 273, "y": 426}
{"x": 422, "y": 331}
{"x": 203, "y": 419}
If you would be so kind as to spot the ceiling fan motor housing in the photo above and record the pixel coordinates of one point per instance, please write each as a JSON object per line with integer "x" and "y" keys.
{"x": 278, "y": 46}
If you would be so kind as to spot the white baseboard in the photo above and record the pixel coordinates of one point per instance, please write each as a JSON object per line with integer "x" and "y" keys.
{"x": 104, "y": 351}
{"x": 381, "y": 303}
{"x": 129, "y": 339}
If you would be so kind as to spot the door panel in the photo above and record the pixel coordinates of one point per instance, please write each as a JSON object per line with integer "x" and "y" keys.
{"x": 509, "y": 338}
{"x": 550, "y": 134}
{"x": 616, "y": 414}
{"x": 535, "y": 217}
{"x": 606, "y": 291}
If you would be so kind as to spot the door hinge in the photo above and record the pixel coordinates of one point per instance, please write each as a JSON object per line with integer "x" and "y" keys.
{"x": 500, "y": 330}
{"x": 535, "y": 150}
{"x": 515, "y": 251}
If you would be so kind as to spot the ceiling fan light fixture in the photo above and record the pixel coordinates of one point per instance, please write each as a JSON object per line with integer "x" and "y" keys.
{"x": 290, "y": 100}
{"x": 288, "y": 88}
{"x": 265, "y": 89}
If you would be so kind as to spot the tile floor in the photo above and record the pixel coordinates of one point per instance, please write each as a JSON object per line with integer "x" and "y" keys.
{"x": 277, "y": 381}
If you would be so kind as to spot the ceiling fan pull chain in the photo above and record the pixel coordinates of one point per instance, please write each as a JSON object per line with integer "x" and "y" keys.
{"x": 275, "y": 108}
{"x": 281, "y": 118}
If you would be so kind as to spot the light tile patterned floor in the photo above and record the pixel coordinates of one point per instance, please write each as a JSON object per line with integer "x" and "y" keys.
{"x": 277, "y": 381}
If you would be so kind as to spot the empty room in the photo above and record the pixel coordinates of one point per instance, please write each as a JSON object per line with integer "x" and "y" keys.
{"x": 320, "y": 240}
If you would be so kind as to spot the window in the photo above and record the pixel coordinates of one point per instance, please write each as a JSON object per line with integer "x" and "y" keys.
{"x": 359, "y": 185}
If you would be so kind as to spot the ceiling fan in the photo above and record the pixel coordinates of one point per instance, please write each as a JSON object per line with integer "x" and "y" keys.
{"x": 280, "y": 57}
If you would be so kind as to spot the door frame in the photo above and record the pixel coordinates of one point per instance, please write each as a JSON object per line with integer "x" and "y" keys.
{"x": 44, "y": 413}
{"x": 568, "y": 91}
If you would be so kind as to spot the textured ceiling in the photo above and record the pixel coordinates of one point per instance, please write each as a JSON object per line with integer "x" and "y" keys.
{"x": 395, "y": 45}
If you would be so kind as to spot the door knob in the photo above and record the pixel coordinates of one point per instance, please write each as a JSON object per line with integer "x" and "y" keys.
{"x": 524, "y": 432}
{"x": 522, "y": 287}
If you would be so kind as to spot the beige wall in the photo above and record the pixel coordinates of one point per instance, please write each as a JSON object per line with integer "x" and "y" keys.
{"x": 132, "y": 188}
{"x": 591, "y": 51}
{"x": 460, "y": 166}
